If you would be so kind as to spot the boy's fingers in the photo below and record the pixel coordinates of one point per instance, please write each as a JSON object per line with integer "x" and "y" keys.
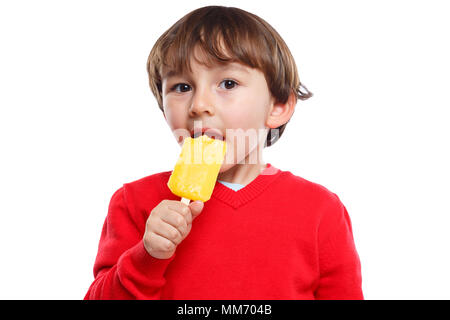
{"x": 189, "y": 212}
{"x": 177, "y": 220}
{"x": 181, "y": 208}
{"x": 169, "y": 232}
{"x": 160, "y": 243}
{"x": 196, "y": 208}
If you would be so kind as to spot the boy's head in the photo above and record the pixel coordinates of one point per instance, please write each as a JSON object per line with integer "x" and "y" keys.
{"x": 225, "y": 62}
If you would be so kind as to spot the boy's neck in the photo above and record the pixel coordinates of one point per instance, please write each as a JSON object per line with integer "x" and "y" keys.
{"x": 242, "y": 173}
{"x": 247, "y": 170}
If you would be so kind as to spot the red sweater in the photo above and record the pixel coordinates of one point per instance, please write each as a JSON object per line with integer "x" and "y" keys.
{"x": 280, "y": 237}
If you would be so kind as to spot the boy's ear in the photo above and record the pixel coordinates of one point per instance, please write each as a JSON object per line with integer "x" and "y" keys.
{"x": 280, "y": 113}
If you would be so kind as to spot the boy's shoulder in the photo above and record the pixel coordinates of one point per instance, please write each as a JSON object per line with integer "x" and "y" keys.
{"x": 145, "y": 192}
{"x": 150, "y": 180}
{"x": 153, "y": 184}
{"x": 319, "y": 201}
{"x": 308, "y": 188}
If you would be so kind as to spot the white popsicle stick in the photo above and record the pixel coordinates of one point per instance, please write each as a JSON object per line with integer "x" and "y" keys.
{"x": 185, "y": 201}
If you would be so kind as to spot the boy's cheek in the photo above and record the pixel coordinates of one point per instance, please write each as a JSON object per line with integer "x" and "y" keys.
{"x": 180, "y": 134}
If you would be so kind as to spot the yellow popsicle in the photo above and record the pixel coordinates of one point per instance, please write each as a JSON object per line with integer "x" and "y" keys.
{"x": 197, "y": 168}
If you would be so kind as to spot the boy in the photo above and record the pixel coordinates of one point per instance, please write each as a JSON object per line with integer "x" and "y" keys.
{"x": 265, "y": 233}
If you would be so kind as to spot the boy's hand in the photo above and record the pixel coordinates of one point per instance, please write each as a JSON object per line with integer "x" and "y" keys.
{"x": 168, "y": 224}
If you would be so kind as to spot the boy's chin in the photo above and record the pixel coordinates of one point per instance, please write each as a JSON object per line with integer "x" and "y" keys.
{"x": 226, "y": 166}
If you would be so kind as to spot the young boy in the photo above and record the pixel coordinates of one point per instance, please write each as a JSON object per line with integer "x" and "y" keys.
{"x": 264, "y": 233}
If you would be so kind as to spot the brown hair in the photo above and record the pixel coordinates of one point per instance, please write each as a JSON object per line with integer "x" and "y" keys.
{"x": 227, "y": 34}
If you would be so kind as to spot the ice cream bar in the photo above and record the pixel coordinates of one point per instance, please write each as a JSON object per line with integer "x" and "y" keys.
{"x": 197, "y": 168}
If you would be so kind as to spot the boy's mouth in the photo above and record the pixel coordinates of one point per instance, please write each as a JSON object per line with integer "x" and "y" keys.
{"x": 212, "y": 133}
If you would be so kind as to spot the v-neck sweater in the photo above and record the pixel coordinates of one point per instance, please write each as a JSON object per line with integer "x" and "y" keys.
{"x": 279, "y": 237}
{"x": 233, "y": 186}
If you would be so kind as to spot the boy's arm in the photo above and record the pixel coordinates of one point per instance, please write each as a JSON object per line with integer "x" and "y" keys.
{"x": 340, "y": 268}
{"x": 123, "y": 268}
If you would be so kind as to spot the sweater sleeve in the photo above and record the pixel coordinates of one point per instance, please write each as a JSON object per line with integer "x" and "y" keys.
{"x": 123, "y": 269}
{"x": 340, "y": 268}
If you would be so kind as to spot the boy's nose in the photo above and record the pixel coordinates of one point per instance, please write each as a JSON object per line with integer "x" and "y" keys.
{"x": 201, "y": 103}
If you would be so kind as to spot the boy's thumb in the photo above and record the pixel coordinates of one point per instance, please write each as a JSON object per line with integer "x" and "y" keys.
{"x": 196, "y": 207}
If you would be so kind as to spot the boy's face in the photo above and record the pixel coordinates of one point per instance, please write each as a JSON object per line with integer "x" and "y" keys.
{"x": 224, "y": 98}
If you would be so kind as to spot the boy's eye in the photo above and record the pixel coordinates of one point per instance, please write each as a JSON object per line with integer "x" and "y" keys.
{"x": 181, "y": 87}
{"x": 229, "y": 84}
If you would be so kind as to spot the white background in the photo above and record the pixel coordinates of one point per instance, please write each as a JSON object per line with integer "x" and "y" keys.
{"x": 78, "y": 120}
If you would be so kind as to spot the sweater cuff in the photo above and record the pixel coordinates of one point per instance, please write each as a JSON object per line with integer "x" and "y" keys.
{"x": 137, "y": 266}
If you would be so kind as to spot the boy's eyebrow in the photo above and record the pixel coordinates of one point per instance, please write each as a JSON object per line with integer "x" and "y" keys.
{"x": 235, "y": 66}
{"x": 230, "y": 66}
{"x": 169, "y": 74}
